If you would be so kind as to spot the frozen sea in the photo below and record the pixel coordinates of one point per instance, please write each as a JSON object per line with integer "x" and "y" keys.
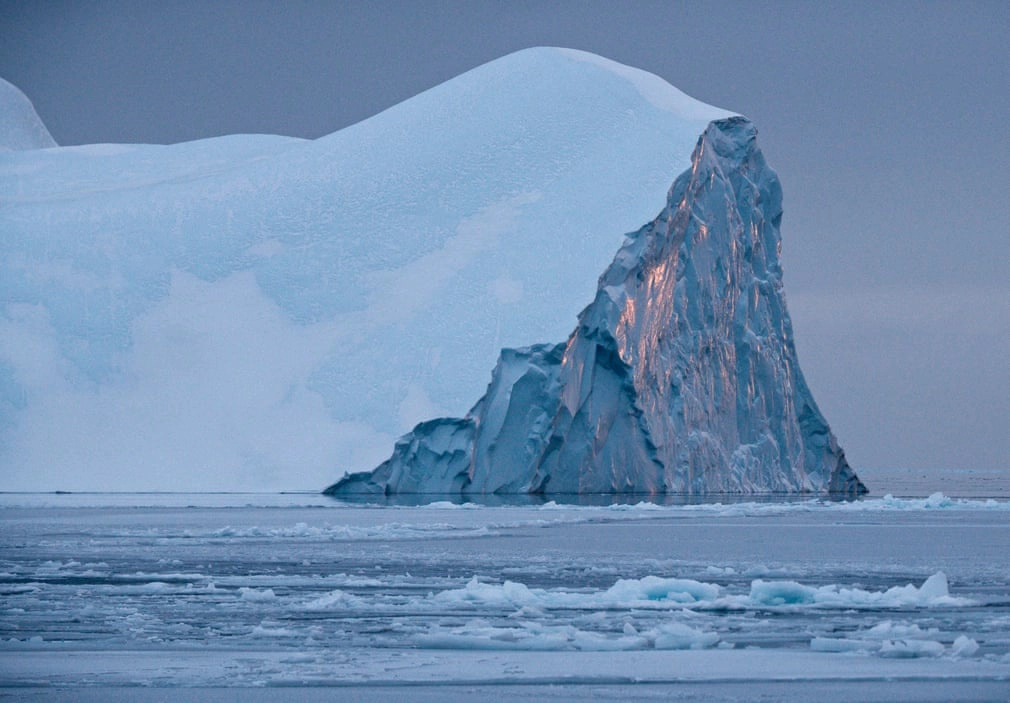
{"x": 904, "y": 595}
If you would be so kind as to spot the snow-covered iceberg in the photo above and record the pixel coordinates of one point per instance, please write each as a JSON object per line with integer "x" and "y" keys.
{"x": 262, "y": 312}
{"x": 21, "y": 128}
{"x": 680, "y": 377}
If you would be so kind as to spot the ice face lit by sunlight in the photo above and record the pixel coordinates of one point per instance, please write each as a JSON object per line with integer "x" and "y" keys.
{"x": 256, "y": 312}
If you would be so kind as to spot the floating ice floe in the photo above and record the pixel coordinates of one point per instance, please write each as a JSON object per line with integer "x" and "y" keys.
{"x": 347, "y": 532}
{"x": 658, "y": 593}
{"x": 263, "y": 630}
{"x": 256, "y": 595}
{"x": 649, "y": 591}
{"x": 933, "y": 592}
{"x": 537, "y": 637}
{"x": 896, "y": 641}
{"x": 335, "y": 599}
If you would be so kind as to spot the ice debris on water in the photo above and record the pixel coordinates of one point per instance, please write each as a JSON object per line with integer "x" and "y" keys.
{"x": 964, "y": 646}
{"x": 255, "y": 595}
{"x": 893, "y": 641}
{"x": 933, "y": 592}
{"x": 532, "y": 610}
{"x": 662, "y": 593}
{"x": 535, "y": 636}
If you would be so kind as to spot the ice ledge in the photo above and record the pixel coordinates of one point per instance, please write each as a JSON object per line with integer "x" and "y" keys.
{"x": 681, "y": 376}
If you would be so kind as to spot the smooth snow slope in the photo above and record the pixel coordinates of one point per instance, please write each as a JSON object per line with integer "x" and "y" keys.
{"x": 259, "y": 312}
{"x": 20, "y": 126}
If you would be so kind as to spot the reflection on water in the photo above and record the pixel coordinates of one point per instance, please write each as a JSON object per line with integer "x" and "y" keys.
{"x": 901, "y": 483}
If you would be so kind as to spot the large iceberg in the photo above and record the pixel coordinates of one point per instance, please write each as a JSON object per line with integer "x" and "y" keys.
{"x": 680, "y": 377}
{"x": 260, "y": 312}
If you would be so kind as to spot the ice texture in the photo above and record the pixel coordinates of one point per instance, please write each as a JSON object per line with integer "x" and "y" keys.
{"x": 680, "y": 377}
{"x": 20, "y": 126}
{"x": 263, "y": 313}
{"x": 657, "y": 593}
{"x": 211, "y": 592}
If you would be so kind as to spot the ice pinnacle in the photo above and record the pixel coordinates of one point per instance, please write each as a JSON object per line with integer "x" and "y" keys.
{"x": 681, "y": 376}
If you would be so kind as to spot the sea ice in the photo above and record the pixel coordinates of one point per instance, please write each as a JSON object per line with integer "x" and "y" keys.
{"x": 161, "y": 596}
{"x": 964, "y": 646}
{"x": 933, "y": 592}
{"x": 254, "y": 595}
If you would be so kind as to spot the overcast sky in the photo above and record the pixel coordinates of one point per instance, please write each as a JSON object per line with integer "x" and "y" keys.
{"x": 889, "y": 124}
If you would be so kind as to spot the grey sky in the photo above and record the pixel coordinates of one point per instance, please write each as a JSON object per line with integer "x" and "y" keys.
{"x": 889, "y": 124}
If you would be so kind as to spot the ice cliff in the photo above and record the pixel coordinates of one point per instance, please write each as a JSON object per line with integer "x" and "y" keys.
{"x": 680, "y": 377}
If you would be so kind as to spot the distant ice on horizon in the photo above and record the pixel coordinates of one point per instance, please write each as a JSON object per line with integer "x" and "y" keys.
{"x": 258, "y": 312}
{"x": 20, "y": 126}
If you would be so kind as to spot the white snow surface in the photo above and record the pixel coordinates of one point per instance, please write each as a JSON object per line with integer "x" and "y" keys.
{"x": 259, "y": 312}
{"x": 20, "y": 126}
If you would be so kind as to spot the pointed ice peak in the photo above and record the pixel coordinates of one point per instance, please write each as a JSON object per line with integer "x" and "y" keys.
{"x": 21, "y": 128}
{"x": 681, "y": 376}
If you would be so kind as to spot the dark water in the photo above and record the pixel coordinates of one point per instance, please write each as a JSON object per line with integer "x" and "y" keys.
{"x": 956, "y": 483}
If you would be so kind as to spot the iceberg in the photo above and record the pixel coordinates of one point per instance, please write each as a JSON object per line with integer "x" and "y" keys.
{"x": 680, "y": 377}
{"x": 21, "y": 129}
{"x": 260, "y": 312}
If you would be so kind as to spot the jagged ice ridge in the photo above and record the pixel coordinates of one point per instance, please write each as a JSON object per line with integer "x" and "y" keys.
{"x": 681, "y": 376}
